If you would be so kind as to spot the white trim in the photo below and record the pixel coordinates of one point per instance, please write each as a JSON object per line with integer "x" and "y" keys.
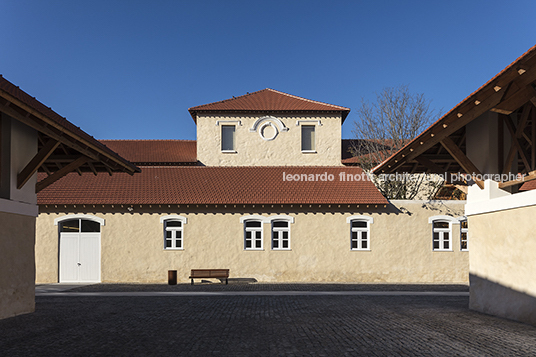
{"x": 277, "y": 121}
{"x": 442, "y": 218}
{"x": 174, "y": 217}
{"x": 79, "y": 216}
{"x": 359, "y": 232}
{"x": 22, "y": 208}
{"x": 449, "y": 219}
{"x": 255, "y": 217}
{"x": 497, "y": 204}
{"x": 224, "y": 122}
{"x": 281, "y": 218}
{"x": 308, "y": 121}
{"x": 280, "y": 231}
{"x": 273, "y": 136}
{"x": 361, "y": 218}
{"x": 308, "y": 151}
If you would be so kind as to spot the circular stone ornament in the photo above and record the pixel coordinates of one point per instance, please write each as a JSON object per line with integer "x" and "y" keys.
{"x": 268, "y": 131}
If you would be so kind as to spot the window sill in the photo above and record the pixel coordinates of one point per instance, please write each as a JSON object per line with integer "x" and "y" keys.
{"x": 360, "y": 250}
{"x": 464, "y": 250}
{"x": 228, "y": 151}
{"x": 308, "y": 151}
{"x": 173, "y": 248}
{"x": 253, "y": 249}
{"x": 281, "y": 249}
{"x": 442, "y": 250}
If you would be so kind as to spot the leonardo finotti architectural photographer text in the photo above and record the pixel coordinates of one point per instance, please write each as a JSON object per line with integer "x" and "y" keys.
{"x": 404, "y": 177}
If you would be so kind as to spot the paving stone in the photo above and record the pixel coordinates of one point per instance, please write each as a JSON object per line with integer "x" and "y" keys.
{"x": 222, "y": 325}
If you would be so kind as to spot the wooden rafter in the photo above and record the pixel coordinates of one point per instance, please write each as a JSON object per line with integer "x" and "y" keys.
{"x": 516, "y": 100}
{"x": 60, "y": 173}
{"x": 511, "y": 83}
{"x": 466, "y": 164}
{"x": 529, "y": 177}
{"x": 429, "y": 164}
{"x": 36, "y": 162}
{"x": 533, "y": 137}
{"x": 515, "y": 134}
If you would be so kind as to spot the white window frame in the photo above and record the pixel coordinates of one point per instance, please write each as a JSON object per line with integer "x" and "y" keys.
{"x": 280, "y": 230}
{"x": 466, "y": 231}
{"x": 79, "y": 216}
{"x": 233, "y": 150}
{"x": 174, "y": 218}
{"x": 441, "y": 231}
{"x": 359, "y": 232}
{"x": 253, "y": 231}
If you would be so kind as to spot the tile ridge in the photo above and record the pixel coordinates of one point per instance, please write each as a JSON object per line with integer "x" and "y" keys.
{"x": 308, "y": 100}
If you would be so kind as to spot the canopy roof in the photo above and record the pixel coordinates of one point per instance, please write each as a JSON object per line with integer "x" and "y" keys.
{"x": 62, "y": 146}
{"x": 442, "y": 147}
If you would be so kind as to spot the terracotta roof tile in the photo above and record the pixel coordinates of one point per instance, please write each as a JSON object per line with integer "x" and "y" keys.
{"x": 213, "y": 185}
{"x": 155, "y": 152}
{"x": 268, "y": 100}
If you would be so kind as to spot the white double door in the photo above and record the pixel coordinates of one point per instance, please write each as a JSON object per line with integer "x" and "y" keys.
{"x": 79, "y": 257}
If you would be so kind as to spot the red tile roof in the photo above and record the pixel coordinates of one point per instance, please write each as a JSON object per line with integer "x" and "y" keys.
{"x": 155, "y": 152}
{"x": 527, "y": 186}
{"x": 268, "y": 100}
{"x": 213, "y": 185}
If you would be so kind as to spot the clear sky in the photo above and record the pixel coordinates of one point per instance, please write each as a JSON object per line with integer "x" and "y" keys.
{"x": 131, "y": 69}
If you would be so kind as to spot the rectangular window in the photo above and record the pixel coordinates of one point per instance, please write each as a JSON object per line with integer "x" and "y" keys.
{"x": 280, "y": 235}
{"x": 172, "y": 234}
{"x": 308, "y": 138}
{"x": 441, "y": 235}
{"x": 359, "y": 235}
{"x": 228, "y": 138}
{"x": 464, "y": 230}
{"x": 253, "y": 235}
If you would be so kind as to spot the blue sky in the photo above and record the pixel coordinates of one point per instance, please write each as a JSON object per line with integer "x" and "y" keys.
{"x": 131, "y": 69}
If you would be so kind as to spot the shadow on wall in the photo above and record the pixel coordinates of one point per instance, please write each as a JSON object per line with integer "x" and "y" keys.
{"x": 495, "y": 299}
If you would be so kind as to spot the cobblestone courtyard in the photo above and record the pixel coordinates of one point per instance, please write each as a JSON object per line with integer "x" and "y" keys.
{"x": 251, "y": 325}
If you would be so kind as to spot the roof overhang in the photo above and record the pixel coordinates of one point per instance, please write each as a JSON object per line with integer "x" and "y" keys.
{"x": 441, "y": 147}
{"x": 62, "y": 146}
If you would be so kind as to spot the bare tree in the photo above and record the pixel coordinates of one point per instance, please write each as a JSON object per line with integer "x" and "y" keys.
{"x": 384, "y": 127}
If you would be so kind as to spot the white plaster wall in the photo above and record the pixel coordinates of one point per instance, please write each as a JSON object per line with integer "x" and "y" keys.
{"x": 17, "y": 268}
{"x": 401, "y": 245}
{"x": 502, "y": 263}
{"x": 23, "y": 149}
{"x": 284, "y": 150}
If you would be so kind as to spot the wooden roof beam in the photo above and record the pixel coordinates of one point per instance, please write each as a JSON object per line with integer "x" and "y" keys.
{"x": 513, "y": 102}
{"x": 529, "y": 177}
{"x": 60, "y": 173}
{"x": 36, "y": 162}
{"x": 466, "y": 164}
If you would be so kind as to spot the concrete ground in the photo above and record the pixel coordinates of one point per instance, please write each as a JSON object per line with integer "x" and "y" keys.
{"x": 260, "y": 320}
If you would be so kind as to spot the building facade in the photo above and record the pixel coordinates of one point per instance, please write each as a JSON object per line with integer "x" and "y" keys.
{"x": 262, "y": 192}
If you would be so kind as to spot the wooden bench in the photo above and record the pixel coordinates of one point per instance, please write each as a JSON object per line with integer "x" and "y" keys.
{"x": 209, "y": 273}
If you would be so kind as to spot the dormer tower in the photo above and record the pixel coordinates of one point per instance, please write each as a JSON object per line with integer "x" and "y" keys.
{"x": 269, "y": 128}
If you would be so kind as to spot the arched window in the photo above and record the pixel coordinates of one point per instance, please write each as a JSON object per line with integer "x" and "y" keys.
{"x": 360, "y": 232}
{"x": 280, "y": 234}
{"x": 252, "y": 234}
{"x": 442, "y": 232}
{"x": 173, "y": 231}
{"x": 79, "y": 223}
